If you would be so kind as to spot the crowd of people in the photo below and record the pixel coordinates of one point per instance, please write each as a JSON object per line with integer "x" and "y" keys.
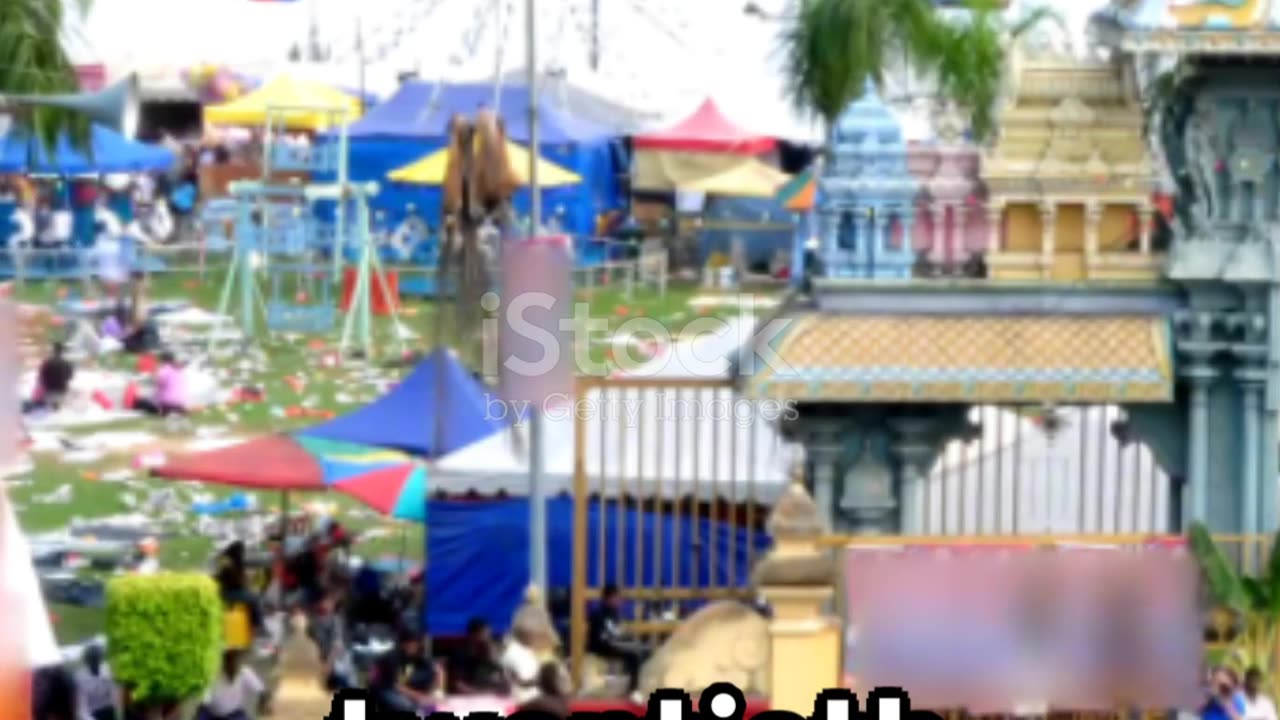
{"x": 1231, "y": 699}
{"x": 344, "y": 608}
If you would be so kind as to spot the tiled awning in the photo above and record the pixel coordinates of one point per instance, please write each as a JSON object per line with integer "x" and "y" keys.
{"x": 930, "y": 358}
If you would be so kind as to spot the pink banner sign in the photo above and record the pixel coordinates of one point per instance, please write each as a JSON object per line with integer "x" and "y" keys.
{"x": 1016, "y": 629}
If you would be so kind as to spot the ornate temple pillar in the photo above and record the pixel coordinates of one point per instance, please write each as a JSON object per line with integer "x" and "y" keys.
{"x": 960, "y": 216}
{"x": 995, "y": 226}
{"x": 879, "y": 245}
{"x": 1146, "y": 216}
{"x": 1092, "y": 219}
{"x": 908, "y": 248}
{"x": 1252, "y": 379}
{"x": 829, "y": 231}
{"x": 1251, "y": 376}
{"x": 798, "y": 580}
{"x": 1198, "y": 350}
{"x": 822, "y": 449}
{"x": 867, "y": 240}
{"x": 938, "y": 234}
{"x": 915, "y": 453}
{"x": 1048, "y": 222}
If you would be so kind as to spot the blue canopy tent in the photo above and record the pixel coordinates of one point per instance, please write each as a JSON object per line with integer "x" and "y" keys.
{"x": 479, "y": 558}
{"x": 110, "y": 152}
{"x": 415, "y": 122}
{"x": 437, "y": 408}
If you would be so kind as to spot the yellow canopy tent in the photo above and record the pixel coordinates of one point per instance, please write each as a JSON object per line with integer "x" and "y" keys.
{"x": 299, "y": 104}
{"x": 430, "y": 169}
{"x": 750, "y": 178}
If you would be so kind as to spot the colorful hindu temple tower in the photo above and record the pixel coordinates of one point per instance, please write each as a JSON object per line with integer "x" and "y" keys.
{"x": 1051, "y": 297}
{"x": 867, "y": 197}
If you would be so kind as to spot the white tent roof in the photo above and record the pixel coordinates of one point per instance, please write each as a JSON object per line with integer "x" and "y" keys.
{"x": 21, "y": 591}
{"x": 705, "y": 443}
{"x": 666, "y": 442}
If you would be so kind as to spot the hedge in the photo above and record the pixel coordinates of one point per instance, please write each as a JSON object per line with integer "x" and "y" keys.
{"x": 164, "y": 633}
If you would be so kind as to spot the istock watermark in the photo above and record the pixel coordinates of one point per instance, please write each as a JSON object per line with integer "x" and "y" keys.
{"x": 545, "y": 327}
{"x": 648, "y": 407}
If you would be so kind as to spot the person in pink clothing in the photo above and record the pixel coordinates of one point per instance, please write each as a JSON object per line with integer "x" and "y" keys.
{"x": 170, "y": 392}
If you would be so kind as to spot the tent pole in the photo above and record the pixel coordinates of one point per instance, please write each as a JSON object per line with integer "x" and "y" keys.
{"x": 537, "y": 493}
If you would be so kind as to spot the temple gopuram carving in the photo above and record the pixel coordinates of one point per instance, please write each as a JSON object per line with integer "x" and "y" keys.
{"x": 1070, "y": 179}
{"x": 867, "y": 197}
{"x": 951, "y": 234}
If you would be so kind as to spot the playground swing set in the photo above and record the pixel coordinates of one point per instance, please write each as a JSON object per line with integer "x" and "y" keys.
{"x": 301, "y": 298}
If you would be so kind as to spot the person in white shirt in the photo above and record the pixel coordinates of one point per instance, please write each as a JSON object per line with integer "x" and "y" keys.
{"x": 234, "y": 691}
{"x": 97, "y": 690}
{"x": 521, "y": 666}
{"x": 1257, "y": 706}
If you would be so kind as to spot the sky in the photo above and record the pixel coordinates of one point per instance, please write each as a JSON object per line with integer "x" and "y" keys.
{"x": 662, "y": 55}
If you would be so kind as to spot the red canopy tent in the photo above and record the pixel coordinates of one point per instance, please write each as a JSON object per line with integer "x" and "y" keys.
{"x": 706, "y": 130}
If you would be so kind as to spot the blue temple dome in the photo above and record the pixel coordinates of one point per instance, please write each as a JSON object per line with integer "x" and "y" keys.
{"x": 868, "y": 120}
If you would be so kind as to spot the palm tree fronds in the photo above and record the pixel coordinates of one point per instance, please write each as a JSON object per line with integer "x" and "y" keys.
{"x": 1223, "y": 582}
{"x": 33, "y": 61}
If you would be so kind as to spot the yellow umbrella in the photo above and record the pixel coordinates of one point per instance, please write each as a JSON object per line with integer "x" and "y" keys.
{"x": 300, "y": 104}
{"x": 748, "y": 179}
{"x": 430, "y": 169}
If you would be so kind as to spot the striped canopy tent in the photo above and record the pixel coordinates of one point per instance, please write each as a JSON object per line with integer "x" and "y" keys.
{"x": 800, "y": 192}
{"x": 388, "y": 481}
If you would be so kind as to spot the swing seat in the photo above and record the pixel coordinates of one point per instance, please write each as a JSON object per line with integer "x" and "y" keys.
{"x": 284, "y": 314}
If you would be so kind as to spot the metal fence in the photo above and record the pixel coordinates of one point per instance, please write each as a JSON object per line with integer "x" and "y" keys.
{"x": 1060, "y": 470}
{"x": 673, "y": 479}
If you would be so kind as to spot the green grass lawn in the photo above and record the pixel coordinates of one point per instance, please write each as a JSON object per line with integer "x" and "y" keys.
{"x": 299, "y": 391}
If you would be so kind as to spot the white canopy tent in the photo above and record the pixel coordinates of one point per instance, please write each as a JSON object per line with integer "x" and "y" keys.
{"x": 668, "y": 442}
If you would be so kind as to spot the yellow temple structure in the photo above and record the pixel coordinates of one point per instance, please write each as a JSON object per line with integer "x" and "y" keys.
{"x": 1070, "y": 177}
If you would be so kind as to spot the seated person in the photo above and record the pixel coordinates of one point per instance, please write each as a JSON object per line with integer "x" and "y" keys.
{"x": 384, "y": 687}
{"x": 170, "y": 393}
{"x": 475, "y": 669}
{"x": 606, "y": 639}
{"x": 234, "y": 691}
{"x": 53, "y": 381}
{"x": 520, "y": 665}
{"x": 419, "y": 678}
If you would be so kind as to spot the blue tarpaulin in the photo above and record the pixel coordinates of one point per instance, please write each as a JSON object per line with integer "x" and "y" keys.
{"x": 414, "y": 122}
{"x": 111, "y": 153}
{"x": 406, "y": 418}
{"x": 478, "y": 555}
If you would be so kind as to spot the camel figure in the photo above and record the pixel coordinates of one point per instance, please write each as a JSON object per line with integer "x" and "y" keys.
{"x": 479, "y": 183}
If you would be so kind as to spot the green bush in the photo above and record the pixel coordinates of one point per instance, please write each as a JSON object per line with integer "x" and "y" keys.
{"x": 164, "y": 633}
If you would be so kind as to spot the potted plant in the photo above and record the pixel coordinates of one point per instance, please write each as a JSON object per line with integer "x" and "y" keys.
{"x": 165, "y": 635}
{"x": 1253, "y": 600}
